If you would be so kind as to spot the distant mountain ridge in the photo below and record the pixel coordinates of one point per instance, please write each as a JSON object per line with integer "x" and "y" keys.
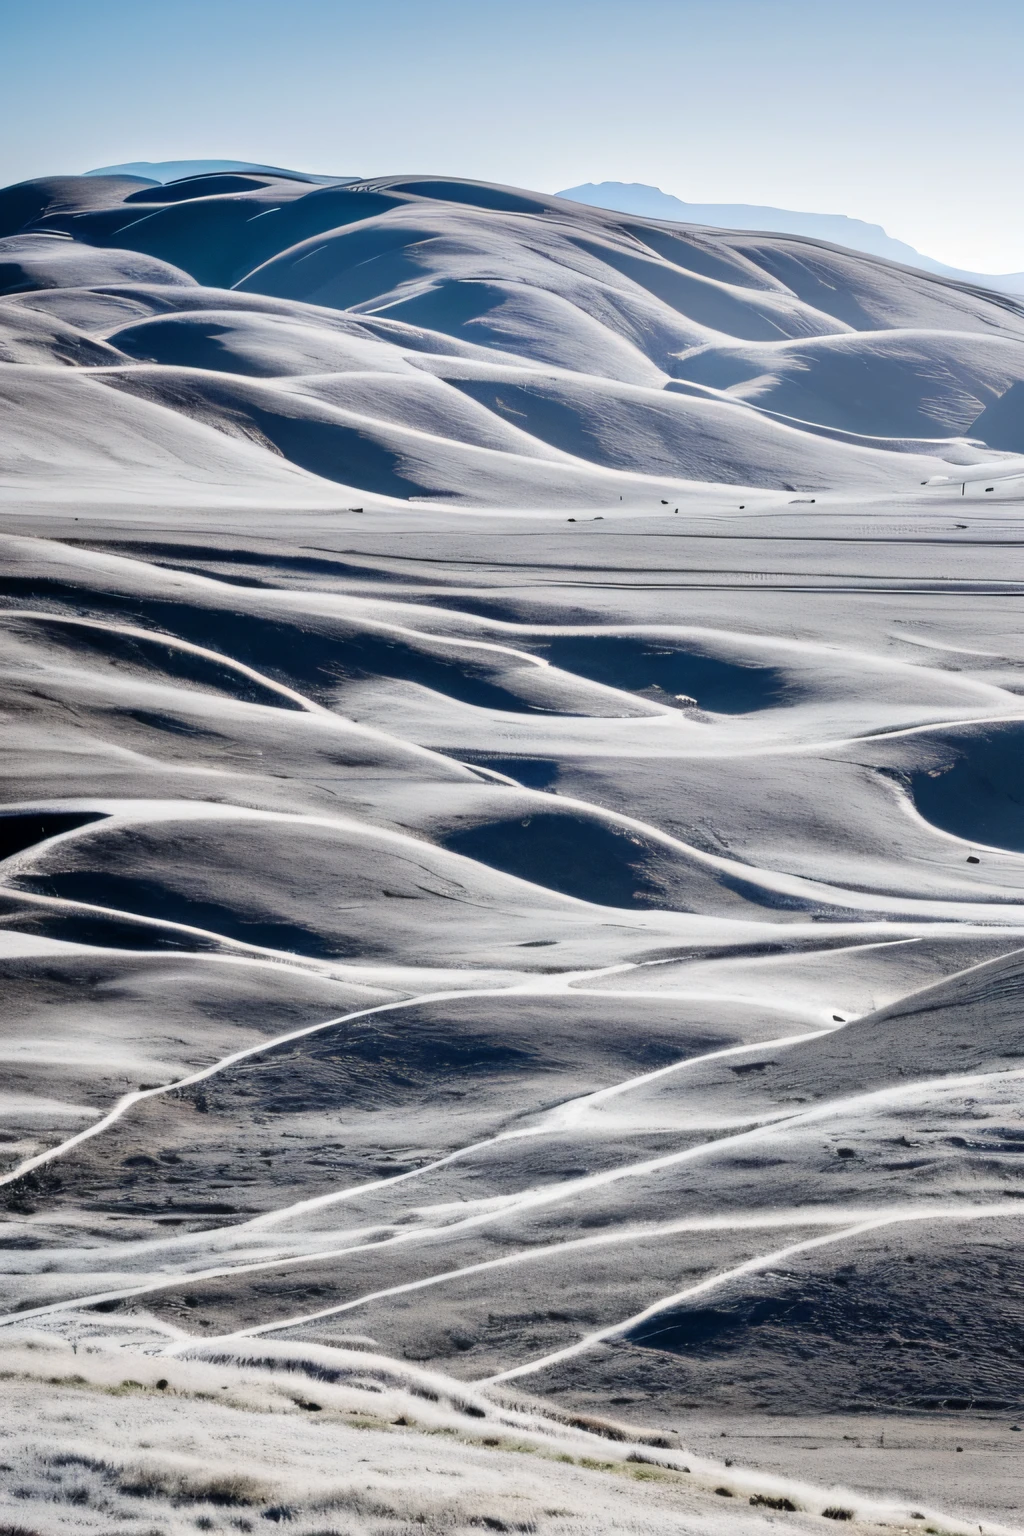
{"x": 837, "y": 228}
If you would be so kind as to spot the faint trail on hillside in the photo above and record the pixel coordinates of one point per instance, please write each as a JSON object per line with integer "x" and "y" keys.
{"x": 533, "y": 1199}
{"x": 139, "y": 1095}
{"x": 818, "y": 1216}
{"x": 749, "y": 1267}
{"x": 549, "y": 1122}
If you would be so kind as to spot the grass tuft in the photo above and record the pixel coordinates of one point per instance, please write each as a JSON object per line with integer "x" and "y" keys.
{"x": 770, "y": 1501}
{"x": 184, "y": 1486}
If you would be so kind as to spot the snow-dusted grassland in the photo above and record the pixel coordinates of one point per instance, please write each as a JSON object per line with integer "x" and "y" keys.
{"x": 511, "y": 870}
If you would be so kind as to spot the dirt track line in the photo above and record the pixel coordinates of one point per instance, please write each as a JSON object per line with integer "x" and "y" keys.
{"x": 543, "y": 1127}
{"x": 530, "y": 1199}
{"x": 751, "y": 1266}
{"x": 201, "y": 1074}
{"x": 548, "y": 1124}
{"x": 814, "y": 1218}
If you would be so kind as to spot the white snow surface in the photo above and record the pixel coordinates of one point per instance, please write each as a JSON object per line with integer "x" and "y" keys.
{"x": 511, "y": 869}
{"x": 448, "y": 340}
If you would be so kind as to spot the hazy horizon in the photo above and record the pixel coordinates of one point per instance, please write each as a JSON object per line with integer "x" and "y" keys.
{"x": 890, "y": 114}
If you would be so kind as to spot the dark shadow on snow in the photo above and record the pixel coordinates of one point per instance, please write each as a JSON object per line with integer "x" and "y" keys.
{"x": 23, "y": 829}
{"x": 641, "y": 665}
{"x": 577, "y": 855}
{"x": 981, "y": 797}
{"x": 531, "y": 772}
{"x": 153, "y": 899}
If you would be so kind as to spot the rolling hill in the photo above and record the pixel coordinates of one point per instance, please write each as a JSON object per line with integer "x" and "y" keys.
{"x": 511, "y": 868}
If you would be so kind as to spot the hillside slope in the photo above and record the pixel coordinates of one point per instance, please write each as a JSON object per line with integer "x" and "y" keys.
{"x": 511, "y": 869}
{"x": 448, "y": 340}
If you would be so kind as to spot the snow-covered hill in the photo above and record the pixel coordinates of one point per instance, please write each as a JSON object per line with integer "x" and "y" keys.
{"x": 449, "y": 340}
{"x": 511, "y": 869}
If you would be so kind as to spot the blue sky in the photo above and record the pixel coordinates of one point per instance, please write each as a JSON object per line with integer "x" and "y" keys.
{"x": 905, "y": 113}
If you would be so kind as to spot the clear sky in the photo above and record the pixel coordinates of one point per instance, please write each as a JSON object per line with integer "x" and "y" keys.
{"x": 908, "y": 113}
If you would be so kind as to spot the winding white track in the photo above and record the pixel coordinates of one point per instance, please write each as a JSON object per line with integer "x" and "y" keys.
{"x": 534, "y": 1199}
{"x": 750, "y": 1267}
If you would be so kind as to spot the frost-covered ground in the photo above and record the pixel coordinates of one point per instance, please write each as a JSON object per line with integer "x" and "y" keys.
{"x": 347, "y": 1442}
{"x": 512, "y": 867}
